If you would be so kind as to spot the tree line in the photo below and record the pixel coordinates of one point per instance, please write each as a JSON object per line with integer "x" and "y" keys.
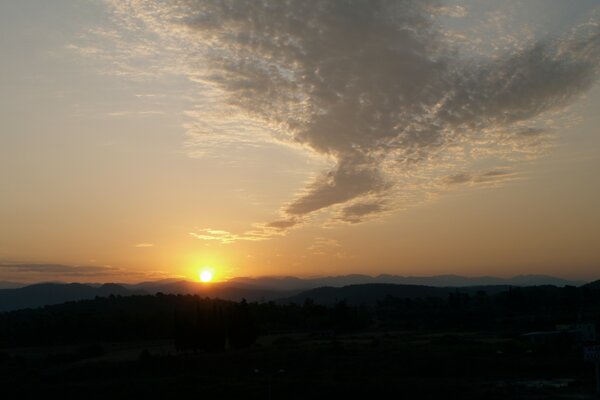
{"x": 202, "y": 324}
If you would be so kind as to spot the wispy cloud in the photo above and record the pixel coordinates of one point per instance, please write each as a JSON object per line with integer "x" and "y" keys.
{"x": 143, "y": 245}
{"x": 321, "y": 246}
{"x": 454, "y": 11}
{"x": 26, "y": 272}
{"x": 328, "y": 247}
{"x": 134, "y": 113}
{"x": 494, "y": 176}
{"x": 225, "y": 237}
{"x": 50, "y": 272}
{"x": 378, "y": 87}
{"x": 66, "y": 270}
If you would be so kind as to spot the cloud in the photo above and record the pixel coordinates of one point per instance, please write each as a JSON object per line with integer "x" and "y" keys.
{"x": 226, "y": 237}
{"x": 58, "y": 269}
{"x": 358, "y": 211}
{"x": 143, "y": 245}
{"x": 376, "y": 86}
{"x": 351, "y": 179}
{"x": 322, "y": 246}
{"x": 282, "y": 224}
{"x": 48, "y": 272}
{"x": 454, "y": 11}
{"x": 458, "y": 179}
{"x": 493, "y": 176}
{"x": 134, "y": 113}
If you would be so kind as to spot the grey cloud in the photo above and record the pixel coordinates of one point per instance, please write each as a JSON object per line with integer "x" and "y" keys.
{"x": 543, "y": 77}
{"x": 495, "y": 173}
{"x": 356, "y": 212}
{"x": 357, "y": 69}
{"x": 282, "y": 224}
{"x": 531, "y": 132}
{"x": 375, "y": 86}
{"x": 494, "y": 176}
{"x": 458, "y": 178}
{"x": 483, "y": 177}
{"x": 349, "y": 180}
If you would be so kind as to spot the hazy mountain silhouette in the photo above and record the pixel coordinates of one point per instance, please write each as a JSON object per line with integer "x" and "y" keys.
{"x": 370, "y": 293}
{"x": 11, "y": 285}
{"x": 293, "y": 283}
{"x": 39, "y": 295}
{"x": 55, "y": 293}
{"x": 365, "y": 293}
{"x": 222, "y": 290}
{"x": 353, "y": 288}
{"x": 150, "y": 285}
{"x": 593, "y": 285}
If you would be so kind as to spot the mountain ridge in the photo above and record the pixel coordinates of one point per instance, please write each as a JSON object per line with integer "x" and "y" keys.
{"x": 291, "y": 282}
{"x": 281, "y": 289}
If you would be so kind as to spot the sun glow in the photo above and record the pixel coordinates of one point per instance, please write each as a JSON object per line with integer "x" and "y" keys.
{"x": 206, "y": 275}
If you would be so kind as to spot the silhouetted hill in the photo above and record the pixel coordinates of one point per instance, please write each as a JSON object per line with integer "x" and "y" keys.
{"x": 150, "y": 285}
{"x": 43, "y": 294}
{"x": 593, "y": 285}
{"x": 372, "y": 292}
{"x": 293, "y": 283}
{"x": 120, "y": 346}
{"x": 55, "y": 293}
{"x": 367, "y": 293}
{"x": 225, "y": 290}
{"x": 11, "y": 285}
{"x": 356, "y": 288}
{"x": 541, "y": 280}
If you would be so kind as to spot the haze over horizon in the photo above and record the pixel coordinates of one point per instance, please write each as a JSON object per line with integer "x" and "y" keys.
{"x": 142, "y": 140}
{"x": 66, "y": 274}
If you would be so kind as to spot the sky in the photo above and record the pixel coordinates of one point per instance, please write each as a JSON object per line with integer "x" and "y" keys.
{"x": 144, "y": 140}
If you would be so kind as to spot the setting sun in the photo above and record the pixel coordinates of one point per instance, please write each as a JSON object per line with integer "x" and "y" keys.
{"x": 206, "y": 275}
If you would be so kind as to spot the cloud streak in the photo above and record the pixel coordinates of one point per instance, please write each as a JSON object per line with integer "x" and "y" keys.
{"x": 59, "y": 269}
{"x": 47, "y": 272}
{"x": 37, "y": 272}
{"x": 377, "y": 87}
{"x": 260, "y": 233}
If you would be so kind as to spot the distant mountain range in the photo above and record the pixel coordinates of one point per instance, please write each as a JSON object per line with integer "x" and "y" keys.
{"x": 370, "y": 293}
{"x": 293, "y": 283}
{"x": 327, "y": 290}
{"x": 11, "y": 285}
{"x": 42, "y": 294}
